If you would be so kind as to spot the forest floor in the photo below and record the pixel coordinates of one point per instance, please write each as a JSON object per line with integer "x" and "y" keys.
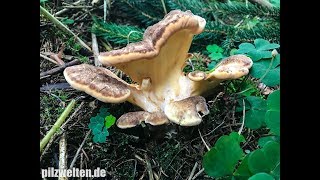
{"x": 164, "y": 152}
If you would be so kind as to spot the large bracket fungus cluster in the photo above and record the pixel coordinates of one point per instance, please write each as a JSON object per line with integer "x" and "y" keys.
{"x": 155, "y": 65}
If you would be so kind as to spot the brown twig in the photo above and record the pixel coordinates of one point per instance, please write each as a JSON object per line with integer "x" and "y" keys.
{"x": 58, "y": 69}
{"x": 79, "y": 149}
{"x": 49, "y": 59}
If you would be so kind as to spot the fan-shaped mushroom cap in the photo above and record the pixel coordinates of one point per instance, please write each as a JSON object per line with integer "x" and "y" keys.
{"x": 97, "y": 82}
{"x": 163, "y": 50}
{"x": 133, "y": 119}
{"x": 232, "y": 67}
{"x": 197, "y": 75}
{"x": 186, "y": 112}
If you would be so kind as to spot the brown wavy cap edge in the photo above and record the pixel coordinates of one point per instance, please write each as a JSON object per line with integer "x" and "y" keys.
{"x": 155, "y": 37}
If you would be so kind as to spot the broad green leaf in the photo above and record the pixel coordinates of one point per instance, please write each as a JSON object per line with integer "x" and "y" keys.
{"x": 212, "y": 65}
{"x": 265, "y": 159}
{"x": 259, "y": 162}
{"x": 101, "y": 136}
{"x": 276, "y": 61}
{"x": 214, "y": 48}
{"x": 243, "y": 171}
{"x": 276, "y": 172}
{"x": 255, "y": 55}
{"x": 215, "y": 56}
{"x": 254, "y": 119}
{"x": 233, "y": 51}
{"x": 263, "y": 140}
{"x": 94, "y": 121}
{"x": 103, "y": 112}
{"x": 263, "y": 45}
{"x": 257, "y": 102}
{"x": 273, "y": 101}
{"x": 272, "y": 78}
{"x": 272, "y": 151}
{"x": 245, "y": 48}
{"x": 109, "y": 121}
{"x": 272, "y": 119}
{"x": 261, "y": 176}
{"x": 223, "y": 157}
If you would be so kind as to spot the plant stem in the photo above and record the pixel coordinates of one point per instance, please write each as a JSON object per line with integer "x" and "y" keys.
{"x": 57, "y": 124}
{"x": 61, "y": 26}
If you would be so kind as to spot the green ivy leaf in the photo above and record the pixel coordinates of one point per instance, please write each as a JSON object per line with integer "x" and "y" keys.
{"x": 94, "y": 121}
{"x": 67, "y": 21}
{"x": 261, "y": 176}
{"x": 101, "y": 136}
{"x": 109, "y": 121}
{"x": 223, "y": 157}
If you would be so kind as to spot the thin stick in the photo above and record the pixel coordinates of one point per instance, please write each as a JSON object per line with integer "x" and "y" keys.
{"x": 203, "y": 141}
{"x": 149, "y": 168}
{"x": 72, "y": 115}
{"x": 57, "y": 125}
{"x": 104, "y": 10}
{"x": 61, "y": 26}
{"x": 59, "y": 68}
{"x": 79, "y": 149}
{"x": 95, "y": 50}
{"x": 49, "y": 59}
{"x": 243, "y": 116}
{"x": 76, "y": 7}
{"x": 193, "y": 171}
{"x": 198, "y": 173}
{"x": 65, "y": 9}
{"x": 164, "y": 7}
{"x": 63, "y": 156}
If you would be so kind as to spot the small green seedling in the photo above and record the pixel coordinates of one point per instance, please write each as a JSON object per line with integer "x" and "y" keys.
{"x": 100, "y": 124}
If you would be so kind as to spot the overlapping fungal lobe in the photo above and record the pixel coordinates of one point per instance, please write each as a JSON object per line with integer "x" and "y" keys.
{"x": 162, "y": 51}
{"x": 97, "y": 82}
{"x": 133, "y": 119}
{"x": 186, "y": 112}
